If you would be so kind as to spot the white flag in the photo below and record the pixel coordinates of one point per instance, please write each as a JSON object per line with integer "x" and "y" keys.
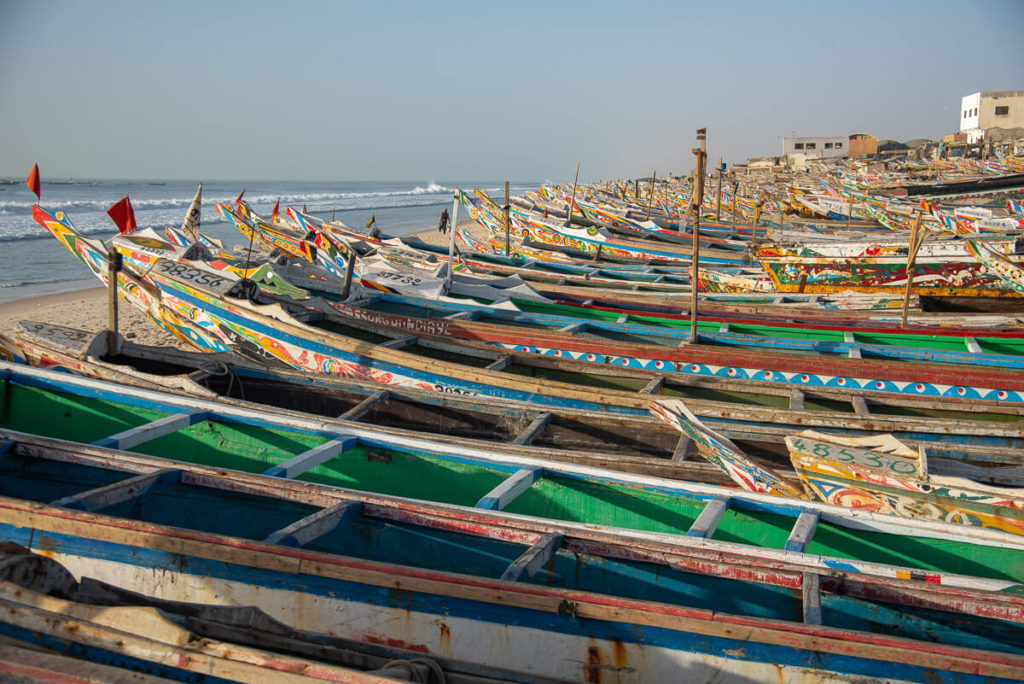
{"x": 190, "y": 226}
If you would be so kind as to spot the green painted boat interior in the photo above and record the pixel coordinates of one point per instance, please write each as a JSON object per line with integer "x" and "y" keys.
{"x": 415, "y": 473}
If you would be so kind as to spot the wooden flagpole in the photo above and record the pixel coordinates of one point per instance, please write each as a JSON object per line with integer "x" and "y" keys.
{"x": 698, "y": 199}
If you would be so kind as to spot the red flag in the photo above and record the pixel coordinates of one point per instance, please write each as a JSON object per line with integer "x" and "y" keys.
{"x": 273, "y": 214}
{"x": 33, "y": 181}
{"x": 123, "y": 215}
{"x": 238, "y": 200}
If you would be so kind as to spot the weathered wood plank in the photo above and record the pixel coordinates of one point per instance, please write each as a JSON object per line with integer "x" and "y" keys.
{"x": 153, "y": 430}
{"x": 812, "y": 598}
{"x": 365, "y": 406}
{"x": 972, "y": 345}
{"x": 499, "y": 364}
{"x": 312, "y": 458}
{"x": 796, "y": 400}
{"x": 534, "y": 558}
{"x": 804, "y": 528}
{"x": 707, "y": 522}
{"x": 510, "y": 488}
{"x": 303, "y": 531}
{"x": 573, "y": 327}
{"x": 682, "y": 450}
{"x": 854, "y": 353}
{"x": 860, "y": 406}
{"x": 655, "y": 385}
{"x": 400, "y": 342}
{"x": 118, "y": 492}
{"x": 463, "y": 316}
{"x": 533, "y": 430}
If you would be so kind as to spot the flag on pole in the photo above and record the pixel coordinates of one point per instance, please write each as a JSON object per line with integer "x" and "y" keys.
{"x": 33, "y": 181}
{"x": 373, "y": 219}
{"x": 274, "y": 211}
{"x": 238, "y": 200}
{"x": 123, "y": 215}
{"x": 190, "y": 226}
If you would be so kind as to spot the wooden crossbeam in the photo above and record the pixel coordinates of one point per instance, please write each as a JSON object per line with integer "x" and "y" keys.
{"x": 118, "y": 492}
{"x": 796, "y": 399}
{"x": 659, "y": 279}
{"x": 854, "y": 353}
{"x": 654, "y": 386}
{"x": 573, "y": 327}
{"x": 152, "y": 430}
{"x": 303, "y": 531}
{"x": 499, "y": 364}
{"x": 534, "y": 558}
{"x": 400, "y": 342}
{"x": 812, "y": 598}
{"x": 972, "y": 345}
{"x": 848, "y": 337}
{"x": 365, "y": 406}
{"x": 622, "y": 319}
{"x": 860, "y": 406}
{"x": 707, "y": 522}
{"x": 510, "y": 488}
{"x": 804, "y": 528}
{"x": 533, "y": 430}
{"x": 724, "y": 328}
{"x": 682, "y": 450}
{"x": 311, "y": 459}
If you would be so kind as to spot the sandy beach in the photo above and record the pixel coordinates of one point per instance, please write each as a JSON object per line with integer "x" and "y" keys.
{"x": 87, "y": 309}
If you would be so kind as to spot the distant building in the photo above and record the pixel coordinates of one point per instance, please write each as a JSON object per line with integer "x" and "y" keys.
{"x": 996, "y": 109}
{"x": 815, "y": 148}
{"x": 862, "y": 143}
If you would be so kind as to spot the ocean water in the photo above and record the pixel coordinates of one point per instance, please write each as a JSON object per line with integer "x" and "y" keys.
{"x": 33, "y": 263}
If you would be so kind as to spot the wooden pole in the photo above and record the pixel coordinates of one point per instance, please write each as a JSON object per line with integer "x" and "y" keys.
{"x": 507, "y": 209}
{"x": 350, "y": 268}
{"x": 718, "y": 209}
{"x": 916, "y": 238}
{"x": 568, "y": 214}
{"x": 457, "y": 196}
{"x": 698, "y": 199}
{"x": 113, "y": 266}
{"x": 735, "y": 200}
{"x": 650, "y": 194}
{"x": 849, "y": 208}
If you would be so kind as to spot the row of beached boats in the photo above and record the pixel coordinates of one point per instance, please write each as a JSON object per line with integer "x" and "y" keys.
{"x": 517, "y": 464}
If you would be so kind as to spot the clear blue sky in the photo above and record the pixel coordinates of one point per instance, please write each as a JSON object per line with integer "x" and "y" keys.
{"x": 448, "y": 90}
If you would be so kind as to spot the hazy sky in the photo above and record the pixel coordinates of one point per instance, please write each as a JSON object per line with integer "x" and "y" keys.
{"x": 485, "y": 90}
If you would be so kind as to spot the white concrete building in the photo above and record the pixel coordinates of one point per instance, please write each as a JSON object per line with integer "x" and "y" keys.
{"x": 995, "y": 109}
{"x": 815, "y": 148}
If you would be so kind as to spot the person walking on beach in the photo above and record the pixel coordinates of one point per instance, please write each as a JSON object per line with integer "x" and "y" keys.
{"x": 443, "y": 225}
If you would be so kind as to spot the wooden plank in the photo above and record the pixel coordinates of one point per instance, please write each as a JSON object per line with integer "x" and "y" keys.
{"x": 804, "y": 528}
{"x": 149, "y": 431}
{"x": 312, "y": 458}
{"x": 654, "y": 386}
{"x": 510, "y": 488}
{"x": 400, "y": 342}
{"x": 365, "y": 406}
{"x": 573, "y": 327}
{"x": 848, "y": 337}
{"x": 796, "y": 400}
{"x": 724, "y": 328}
{"x": 972, "y": 345}
{"x": 707, "y": 522}
{"x": 854, "y": 353}
{"x": 499, "y": 364}
{"x": 314, "y": 526}
{"x": 534, "y": 558}
{"x": 533, "y": 430}
{"x": 682, "y": 450}
{"x": 118, "y": 492}
{"x": 860, "y": 406}
{"x": 622, "y": 319}
{"x": 812, "y": 598}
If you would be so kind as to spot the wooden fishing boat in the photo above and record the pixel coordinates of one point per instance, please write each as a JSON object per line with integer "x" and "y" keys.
{"x": 882, "y": 474}
{"x": 631, "y": 443}
{"x": 492, "y": 595}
